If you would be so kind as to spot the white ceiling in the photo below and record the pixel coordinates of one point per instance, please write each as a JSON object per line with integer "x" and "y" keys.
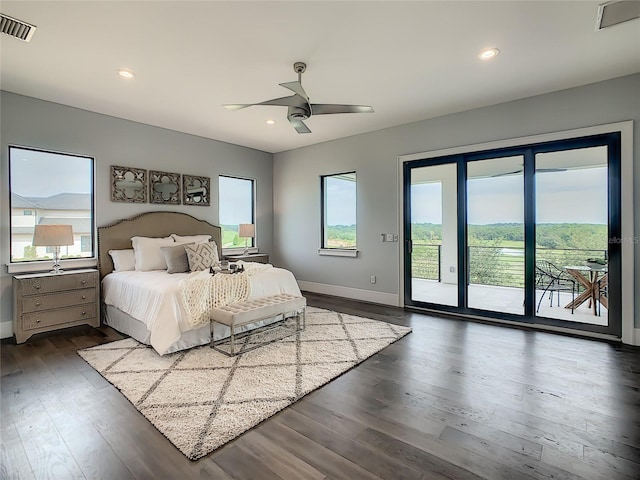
{"x": 409, "y": 60}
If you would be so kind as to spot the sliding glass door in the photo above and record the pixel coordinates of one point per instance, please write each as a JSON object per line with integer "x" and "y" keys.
{"x": 520, "y": 234}
{"x": 495, "y": 234}
{"x": 433, "y": 235}
{"x": 572, "y": 208}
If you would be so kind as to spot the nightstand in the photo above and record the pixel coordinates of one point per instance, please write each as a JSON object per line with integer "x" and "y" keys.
{"x": 250, "y": 257}
{"x": 43, "y": 302}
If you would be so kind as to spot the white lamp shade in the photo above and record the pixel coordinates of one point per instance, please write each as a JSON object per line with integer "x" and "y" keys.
{"x": 52, "y": 235}
{"x": 247, "y": 230}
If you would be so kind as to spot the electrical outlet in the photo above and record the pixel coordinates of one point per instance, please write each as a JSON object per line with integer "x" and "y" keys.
{"x": 452, "y": 269}
{"x": 373, "y": 279}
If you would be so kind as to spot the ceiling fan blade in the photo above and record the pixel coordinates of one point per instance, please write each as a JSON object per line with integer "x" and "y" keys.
{"x": 290, "y": 101}
{"x": 235, "y": 106}
{"x": 299, "y": 125}
{"x": 296, "y": 87}
{"x": 326, "y": 108}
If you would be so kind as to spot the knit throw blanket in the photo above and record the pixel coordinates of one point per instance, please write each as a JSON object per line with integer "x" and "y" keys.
{"x": 201, "y": 291}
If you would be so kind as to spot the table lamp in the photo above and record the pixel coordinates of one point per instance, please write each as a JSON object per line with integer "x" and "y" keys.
{"x": 53, "y": 236}
{"x": 246, "y": 230}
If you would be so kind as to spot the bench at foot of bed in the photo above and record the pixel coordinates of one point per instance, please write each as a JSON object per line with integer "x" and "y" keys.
{"x": 238, "y": 314}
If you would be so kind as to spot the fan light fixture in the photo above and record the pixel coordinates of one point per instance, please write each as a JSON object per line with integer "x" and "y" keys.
{"x": 488, "y": 53}
{"x": 126, "y": 73}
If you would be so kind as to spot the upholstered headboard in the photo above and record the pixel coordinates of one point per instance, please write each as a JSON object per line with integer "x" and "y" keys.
{"x": 117, "y": 236}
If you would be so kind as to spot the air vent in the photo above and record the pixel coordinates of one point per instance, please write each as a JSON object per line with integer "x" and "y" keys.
{"x": 618, "y": 11}
{"x": 16, "y": 28}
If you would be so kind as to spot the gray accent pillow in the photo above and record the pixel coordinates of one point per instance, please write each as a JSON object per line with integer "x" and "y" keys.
{"x": 176, "y": 258}
{"x": 202, "y": 256}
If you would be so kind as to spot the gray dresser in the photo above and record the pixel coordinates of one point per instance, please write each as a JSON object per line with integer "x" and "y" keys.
{"x": 43, "y": 302}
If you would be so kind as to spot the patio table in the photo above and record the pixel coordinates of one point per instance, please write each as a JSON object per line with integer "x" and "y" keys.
{"x": 592, "y": 279}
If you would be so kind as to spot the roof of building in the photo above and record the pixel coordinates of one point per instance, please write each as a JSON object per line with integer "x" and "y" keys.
{"x": 18, "y": 201}
{"x": 61, "y": 201}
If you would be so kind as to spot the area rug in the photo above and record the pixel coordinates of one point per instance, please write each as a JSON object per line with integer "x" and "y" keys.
{"x": 200, "y": 398}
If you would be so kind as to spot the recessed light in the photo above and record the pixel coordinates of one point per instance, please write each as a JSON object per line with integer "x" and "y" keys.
{"x": 126, "y": 73}
{"x": 488, "y": 53}
{"x": 271, "y": 122}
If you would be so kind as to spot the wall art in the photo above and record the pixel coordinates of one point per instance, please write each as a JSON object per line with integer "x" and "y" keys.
{"x": 195, "y": 190}
{"x": 164, "y": 187}
{"x": 128, "y": 184}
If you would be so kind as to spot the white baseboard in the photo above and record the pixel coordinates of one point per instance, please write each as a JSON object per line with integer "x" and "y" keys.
{"x": 352, "y": 293}
{"x": 6, "y": 330}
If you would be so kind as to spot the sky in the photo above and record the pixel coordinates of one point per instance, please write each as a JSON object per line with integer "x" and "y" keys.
{"x": 235, "y": 198}
{"x": 341, "y": 201}
{"x": 72, "y": 174}
{"x": 572, "y": 196}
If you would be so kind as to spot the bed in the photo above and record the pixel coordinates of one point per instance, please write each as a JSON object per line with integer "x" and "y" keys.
{"x": 148, "y": 305}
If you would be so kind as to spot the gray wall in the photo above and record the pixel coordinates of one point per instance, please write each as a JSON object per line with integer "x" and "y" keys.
{"x": 374, "y": 157}
{"x": 112, "y": 141}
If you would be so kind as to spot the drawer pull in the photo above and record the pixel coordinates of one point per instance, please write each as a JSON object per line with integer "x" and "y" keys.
{"x": 37, "y": 304}
{"x": 84, "y": 313}
{"x": 37, "y": 320}
{"x": 37, "y": 287}
{"x": 84, "y": 297}
{"x": 83, "y": 282}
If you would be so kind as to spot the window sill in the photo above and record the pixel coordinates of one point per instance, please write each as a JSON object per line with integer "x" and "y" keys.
{"x": 338, "y": 252}
{"x": 238, "y": 251}
{"x": 45, "y": 265}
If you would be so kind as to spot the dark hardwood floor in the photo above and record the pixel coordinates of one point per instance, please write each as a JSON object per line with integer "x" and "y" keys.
{"x": 453, "y": 399}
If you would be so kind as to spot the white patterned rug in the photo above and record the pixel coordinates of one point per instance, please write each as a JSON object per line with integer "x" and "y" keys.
{"x": 200, "y": 399}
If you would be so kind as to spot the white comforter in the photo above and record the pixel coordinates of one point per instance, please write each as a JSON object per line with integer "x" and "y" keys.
{"x": 154, "y": 298}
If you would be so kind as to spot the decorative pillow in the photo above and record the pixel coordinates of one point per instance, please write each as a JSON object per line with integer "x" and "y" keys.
{"x": 176, "y": 258}
{"x": 202, "y": 255}
{"x": 190, "y": 238}
{"x": 123, "y": 260}
{"x": 148, "y": 254}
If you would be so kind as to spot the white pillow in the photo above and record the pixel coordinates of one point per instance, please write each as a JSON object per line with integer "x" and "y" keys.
{"x": 148, "y": 254}
{"x": 123, "y": 260}
{"x": 190, "y": 238}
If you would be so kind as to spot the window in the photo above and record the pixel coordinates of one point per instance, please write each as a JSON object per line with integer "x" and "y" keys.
{"x": 236, "y": 200}
{"x": 339, "y": 211}
{"x": 49, "y": 188}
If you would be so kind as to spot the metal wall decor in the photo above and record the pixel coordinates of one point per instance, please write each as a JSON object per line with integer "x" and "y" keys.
{"x": 164, "y": 187}
{"x": 195, "y": 190}
{"x": 128, "y": 184}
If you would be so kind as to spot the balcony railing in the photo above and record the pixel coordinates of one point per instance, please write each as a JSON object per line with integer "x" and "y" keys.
{"x": 425, "y": 261}
{"x": 495, "y": 265}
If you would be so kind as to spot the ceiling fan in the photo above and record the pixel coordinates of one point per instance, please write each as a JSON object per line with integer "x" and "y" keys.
{"x": 299, "y": 106}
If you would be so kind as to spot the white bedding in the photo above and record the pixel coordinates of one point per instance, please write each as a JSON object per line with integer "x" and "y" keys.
{"x": 154, "y": 298}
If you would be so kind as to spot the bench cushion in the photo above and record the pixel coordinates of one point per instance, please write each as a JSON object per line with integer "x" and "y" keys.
{"x": 249, "y": 311}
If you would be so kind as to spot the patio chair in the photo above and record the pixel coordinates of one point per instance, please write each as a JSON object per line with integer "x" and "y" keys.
{"x": 603, "y": 290}
{"x": 550, "y": 278}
